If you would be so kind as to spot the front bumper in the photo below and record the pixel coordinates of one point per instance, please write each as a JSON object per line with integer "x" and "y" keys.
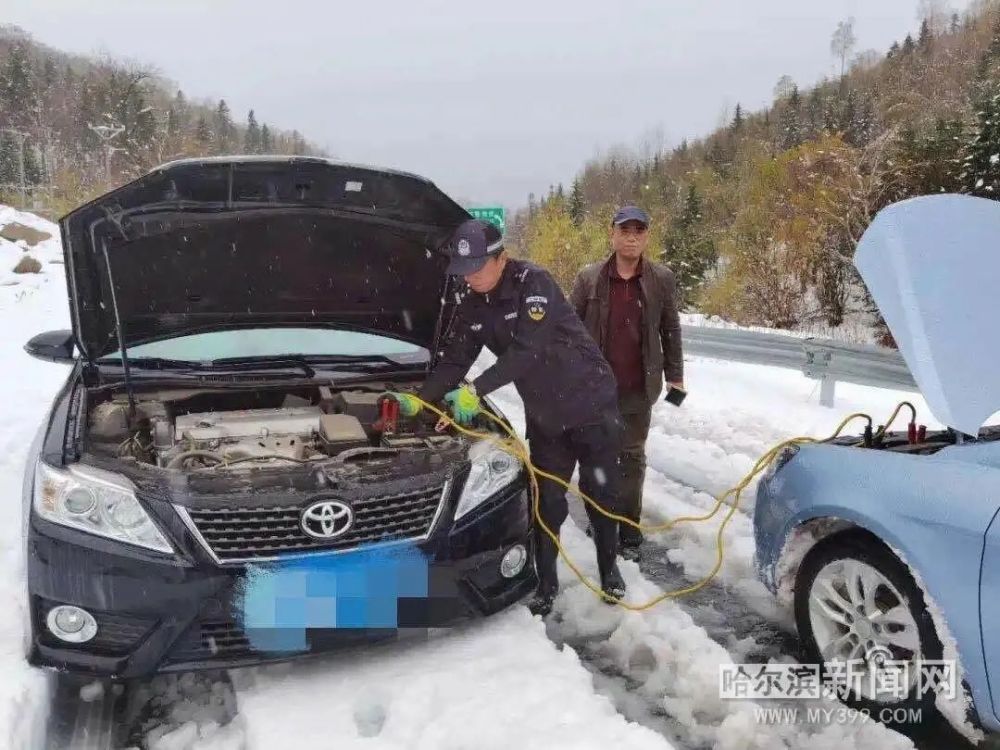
{"x": 765, "y": 530}
{"x": 167, "y": 613}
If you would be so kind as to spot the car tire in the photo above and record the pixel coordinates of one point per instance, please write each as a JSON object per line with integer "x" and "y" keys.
{"x": 850, "y": 552}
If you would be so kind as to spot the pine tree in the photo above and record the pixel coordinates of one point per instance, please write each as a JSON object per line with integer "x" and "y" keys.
{"x": 932, "y": 163}
{"x": 908, "y": 45}
{"x": 866, "y": 124}
{"x": 33, "y": 174}
{"x": 988, "y": 69}
{"x": 791, "y": 122}
{"x": 955, "y": 23}
{"x": 141, "y": 122}
{"x": 251, "y": 142}
{"x": 576, "y": 208}
{"x": 17, "y": 88}
{"x": 182, "y": 112}
{"x": 717, "y": 157}
{"x": 224, "y": 129}
{"x": 738, "y": 119}
{"x": 857, "y": 118}
{"x": 173, "y": 123}
{"x": 266, "y": 145}
{"x": 49, "y": 74}
{"x": 203, "y": 134}
{"x": 688, "y": 249}
{"x": 981, "y": 162}
{"x": 10, "y": 160}
{"x": 814, "y": 112}
{"x": 926, "y": 37}
{"x": 893, "y": 51}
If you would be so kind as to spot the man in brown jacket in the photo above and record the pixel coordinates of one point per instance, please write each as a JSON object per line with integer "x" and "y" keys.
{"x": 629, "y": 304}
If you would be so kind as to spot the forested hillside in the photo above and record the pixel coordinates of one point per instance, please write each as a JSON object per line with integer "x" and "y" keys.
{"x": 760, "y": 219}
{"x": 72, "y": 127}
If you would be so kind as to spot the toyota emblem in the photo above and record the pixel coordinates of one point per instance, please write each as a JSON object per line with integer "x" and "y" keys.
{"x": 327, "y": 519}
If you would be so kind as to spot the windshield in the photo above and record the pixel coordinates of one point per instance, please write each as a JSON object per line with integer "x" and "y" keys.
{"x": 275, "y": 342}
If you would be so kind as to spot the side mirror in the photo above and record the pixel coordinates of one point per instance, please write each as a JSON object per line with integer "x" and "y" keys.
{"x": 52, "y": 346}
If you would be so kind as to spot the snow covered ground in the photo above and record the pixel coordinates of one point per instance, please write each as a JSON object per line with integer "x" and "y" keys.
{"x": 504, "y": 682}
{"x": 29, "y": 304}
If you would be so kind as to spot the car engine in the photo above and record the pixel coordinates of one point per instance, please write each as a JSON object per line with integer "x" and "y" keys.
{"x": 295, "y": 433}
{"x": 289, "y": 435}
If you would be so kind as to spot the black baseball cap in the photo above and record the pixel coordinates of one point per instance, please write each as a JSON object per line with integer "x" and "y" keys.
{"x": 630, "y": 213}
{"x": 471, "y": 245}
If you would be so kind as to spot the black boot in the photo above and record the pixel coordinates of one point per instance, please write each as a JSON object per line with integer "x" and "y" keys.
{"x": 541, "y": 602}
{"x": 630, "y": 553}
{"x": 546, "y": 553}
{"x": 629, "y": 541}
{"x": 613, "y": 585}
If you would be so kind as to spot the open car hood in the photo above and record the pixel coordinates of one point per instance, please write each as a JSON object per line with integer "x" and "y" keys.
{"x": 208, "y": 244}
{"x": 932, "y": 265}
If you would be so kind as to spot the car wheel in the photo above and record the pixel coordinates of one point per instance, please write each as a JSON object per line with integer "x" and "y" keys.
{"x": 857, "y": 604}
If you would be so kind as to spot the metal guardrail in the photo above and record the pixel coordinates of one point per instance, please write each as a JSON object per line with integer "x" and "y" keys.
{"x": 820, "y": 359}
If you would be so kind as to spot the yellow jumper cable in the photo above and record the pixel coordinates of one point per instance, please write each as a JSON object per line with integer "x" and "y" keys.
{"x": 516, "y": 447}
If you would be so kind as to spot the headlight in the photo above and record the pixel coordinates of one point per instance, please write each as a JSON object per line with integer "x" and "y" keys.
{"x": 785, "y": 455}
{"x": 492, "y": 470}
{"x": 95, "y": 501}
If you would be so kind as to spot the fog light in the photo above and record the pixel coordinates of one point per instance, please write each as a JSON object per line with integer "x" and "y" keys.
{"x": 513, "y": 562}
{"x": 71, "y": 624}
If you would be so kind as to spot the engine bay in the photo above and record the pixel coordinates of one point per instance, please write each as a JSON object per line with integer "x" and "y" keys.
{"x": 204, "y": 430}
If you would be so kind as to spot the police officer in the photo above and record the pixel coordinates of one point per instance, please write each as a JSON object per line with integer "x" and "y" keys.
{"x": 517, "y": 311}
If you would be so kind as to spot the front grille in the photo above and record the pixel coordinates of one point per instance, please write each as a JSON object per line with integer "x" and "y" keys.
{"x": 237, "y": 534}
{"x": 214, "y": 639}
{"x": 117, "y": 634}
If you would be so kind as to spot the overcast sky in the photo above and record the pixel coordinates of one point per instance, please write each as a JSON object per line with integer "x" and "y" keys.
{"x": 491, "y": 100}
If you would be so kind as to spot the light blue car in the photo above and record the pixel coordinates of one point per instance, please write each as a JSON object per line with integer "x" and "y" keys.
{"x": 890, "y": 552}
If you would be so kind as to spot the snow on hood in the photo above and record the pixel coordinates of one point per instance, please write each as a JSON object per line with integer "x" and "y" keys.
{"x": 932, "y": 264}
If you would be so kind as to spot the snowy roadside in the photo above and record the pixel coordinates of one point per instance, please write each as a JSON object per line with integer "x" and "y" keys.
{"x": 669, "y": 658}
{"x": 29, "y": 304}
{"x": 499, "y": 683}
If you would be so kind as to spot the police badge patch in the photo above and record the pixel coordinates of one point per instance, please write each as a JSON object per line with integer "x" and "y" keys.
{"x": 536, "y": 307}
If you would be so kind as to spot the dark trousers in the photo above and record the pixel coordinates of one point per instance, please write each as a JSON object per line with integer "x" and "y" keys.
{"x": 636, "y": 412}
{"x": 595, "y": 447}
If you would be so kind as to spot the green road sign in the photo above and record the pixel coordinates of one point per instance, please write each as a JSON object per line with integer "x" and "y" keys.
{"x": 493, "y": 214}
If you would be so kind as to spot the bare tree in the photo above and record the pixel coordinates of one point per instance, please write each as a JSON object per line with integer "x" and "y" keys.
{"x": 784, "y": 87}
{"x": 843, "y": 42}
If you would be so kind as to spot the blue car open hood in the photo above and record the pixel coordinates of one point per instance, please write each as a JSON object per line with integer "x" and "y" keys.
{"x": 932, "y": 265}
